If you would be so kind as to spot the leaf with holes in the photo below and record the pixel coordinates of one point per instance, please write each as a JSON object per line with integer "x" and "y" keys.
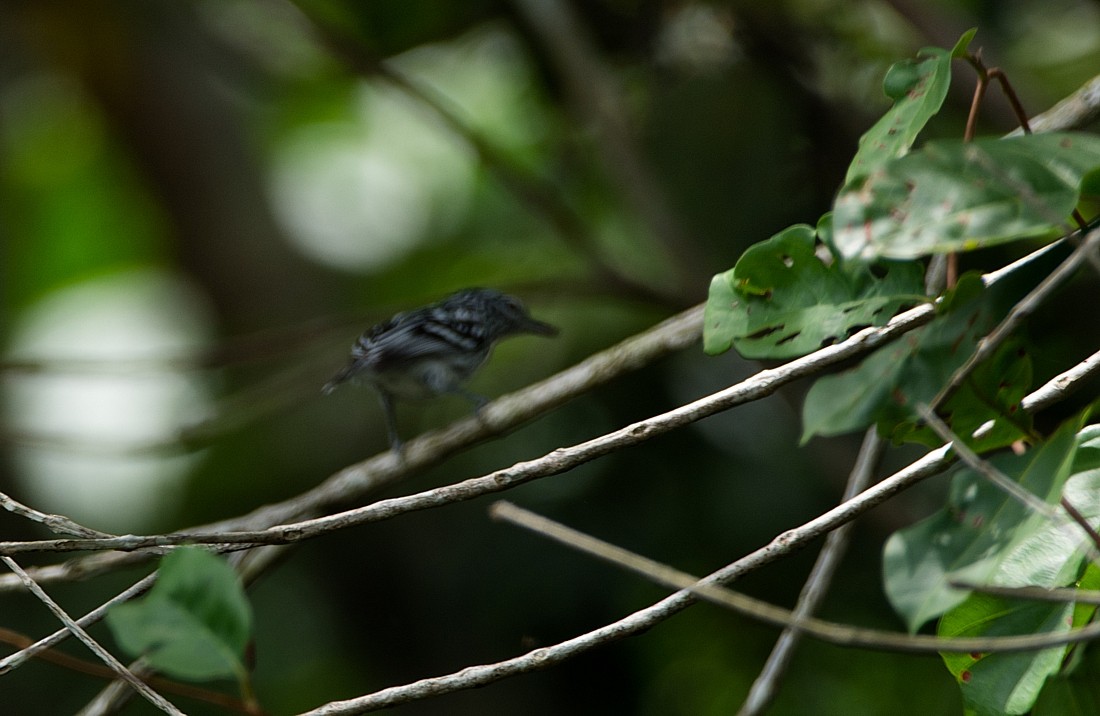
{"x": 984, "y": 536}
{"x": 918, "y": 87}
{"x": 884, "y": 388}
{"x": 781, "y": 300}
{"x": 1010, "y": 683}
{"x": 195, "y": 622}
{"x": 958, "y": 196}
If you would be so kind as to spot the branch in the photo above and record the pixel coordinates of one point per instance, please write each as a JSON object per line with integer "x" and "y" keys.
{"x": 497, "y": 418}
{"x": 1009, "y": 486}
{"x": 760, "y": 385}
{"x": 790, "y": 541}
{"x": 58, "y": 524}
{"x": 14, "y": 661}
{"x": 1023, "y": 308}
{"x": 125, "y": 674}
{"x": 1080, "y": 109}
{"x": 763, "y": 688}
{"x": 501, "y": 416}
{"x": 831, "y": 632}
{"x": 84, "y": 666}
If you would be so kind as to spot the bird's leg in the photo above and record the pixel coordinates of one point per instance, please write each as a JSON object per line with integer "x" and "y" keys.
{"x": 391, "y": 421}
{"x": 479, "y": 401}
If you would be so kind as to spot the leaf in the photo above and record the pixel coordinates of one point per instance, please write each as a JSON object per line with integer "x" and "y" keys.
{"x": 993, "y": 392}
{"x": 885, "y": 386}
{"x": 960, "y": 50}
{"x": 781, "y": 300}
{"x": 983, "y": 536}
{"x": 1010, "y": 683}
{"x": 1004, "y": 683}
{"x": 958, "y": 196}
{"x": 918, "y": 88}
{"x": 195, "y": 622}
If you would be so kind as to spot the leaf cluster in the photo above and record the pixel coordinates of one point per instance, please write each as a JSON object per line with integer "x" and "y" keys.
{"x": 902, "y": 206}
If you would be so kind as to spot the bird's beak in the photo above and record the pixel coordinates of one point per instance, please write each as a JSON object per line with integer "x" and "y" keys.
{"x": 531, "y": 325}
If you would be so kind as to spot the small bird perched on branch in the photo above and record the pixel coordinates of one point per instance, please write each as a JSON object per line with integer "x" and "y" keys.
{"x": 434, "y": 350}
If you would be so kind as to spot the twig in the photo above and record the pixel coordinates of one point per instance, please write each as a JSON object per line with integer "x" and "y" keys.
{"x": 831, "y": 632}
{"x": 58, "y": 524}
{"x": 151, "y": 696}
{"x": 764, "y": 687}
{"x": 984, "y": 468}
{"x": 1082, "y": 522}
{"x": 14, "y": 661}
{"x": 1023, "y": 308}
{"x": 1040, "y": 594}
{"x": 984, "y": 77}
{"x": 930, "y": 464}
{"x": 502, "y": 415}
{"x": 84, "y": 666}
{"x": 1080, "y": 109}
{"x": 1061, "y": 385}
{"x": 1006, "y": 484}
{"x": 762, "y": 384}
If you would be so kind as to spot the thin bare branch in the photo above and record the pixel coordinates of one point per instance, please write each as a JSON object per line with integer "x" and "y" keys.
{"x": 636, "y": 623}
{"x": 792, "y": 540}
{"x": 58, "y": 524}
{"x": 14, "y": 661}
{"x": 764, "y": 688}
{"x": 840, "y": 634}
{"x": 762, "y": 384}
{"x": 501, "y": 416}
{"x": 1006, "y": 484}
{"x": 142, "y": 688}
{"x": 1059, "y": 387}
{"x": 1038, "y": 594}
{"x": 1080, "y": 109}
{"x": 1023, "y": 308}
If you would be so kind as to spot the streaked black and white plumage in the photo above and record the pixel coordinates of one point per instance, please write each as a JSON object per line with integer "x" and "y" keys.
{"x": 434, "y": 350}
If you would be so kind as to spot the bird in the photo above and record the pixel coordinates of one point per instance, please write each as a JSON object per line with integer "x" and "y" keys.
{"x": 434, "y": 350}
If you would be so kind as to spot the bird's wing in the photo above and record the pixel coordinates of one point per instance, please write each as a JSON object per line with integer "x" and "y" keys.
{"x": 417, "y": 335}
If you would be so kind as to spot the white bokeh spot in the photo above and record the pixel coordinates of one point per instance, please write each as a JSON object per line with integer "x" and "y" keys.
{"x": 94, "y": 427}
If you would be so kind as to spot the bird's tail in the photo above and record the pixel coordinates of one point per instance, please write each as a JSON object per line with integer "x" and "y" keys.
{"x": 337, "y": 379}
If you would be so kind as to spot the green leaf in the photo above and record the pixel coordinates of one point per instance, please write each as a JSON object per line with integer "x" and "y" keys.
{"x": 918, "y": 88}
{"x": 195, "y": 622}
{"x": 992, "y": 393}
{"x": 1076, "y": 689}
{"x": 781, "y": 300}
{"x": 1004, "y": 683}
{"x": 985, "y": 537}
{"x": 958, "y": 196}
{"x": 1069, "y": 697}
{"x": 960, "y": 50}
{"x": 1011, "y": 683}
{"x": 886, "y": 385}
